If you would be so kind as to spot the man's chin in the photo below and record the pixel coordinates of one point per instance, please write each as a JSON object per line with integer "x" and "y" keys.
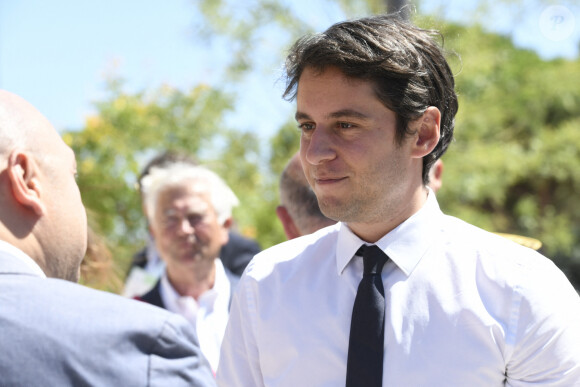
{"x": 190, "y": 258}
{"x": 336, "y": 210}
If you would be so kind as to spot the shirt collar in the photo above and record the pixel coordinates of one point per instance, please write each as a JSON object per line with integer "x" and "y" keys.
{"x": 214, "y": 297}
{"x": 405, "y": 245}
{"x": 15, "y": 252}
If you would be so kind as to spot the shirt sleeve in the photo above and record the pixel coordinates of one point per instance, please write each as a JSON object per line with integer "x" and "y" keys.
{"x": 176, "y": 360}
{"x": 545, "y": 331}
{"x": 239, "y": 364}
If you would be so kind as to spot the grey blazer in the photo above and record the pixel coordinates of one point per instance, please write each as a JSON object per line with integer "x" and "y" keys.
{"x": 57, "y": 333}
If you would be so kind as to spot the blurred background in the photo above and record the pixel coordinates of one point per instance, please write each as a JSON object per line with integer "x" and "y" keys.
{"x": 123, "y": 80}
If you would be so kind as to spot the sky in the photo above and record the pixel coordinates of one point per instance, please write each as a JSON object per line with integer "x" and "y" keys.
{"x": 57, "y": 54}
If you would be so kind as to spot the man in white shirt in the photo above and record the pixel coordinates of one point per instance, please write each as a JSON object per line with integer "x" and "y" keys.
{"x": 55, "y": 332}
{"x": 146, "y": 266}
{"x": 462, "y": 307}
{"x": 189, "y": 209}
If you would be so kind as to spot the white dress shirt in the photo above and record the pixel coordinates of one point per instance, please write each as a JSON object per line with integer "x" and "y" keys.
{"x": 464, "y": 307}
{"x": 209, "y": 314}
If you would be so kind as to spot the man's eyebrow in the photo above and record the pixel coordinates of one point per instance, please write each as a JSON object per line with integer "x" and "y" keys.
{"x": 301, "y": 116}
{"x": 348, "y": 113}
{"x": 344, "y": 113}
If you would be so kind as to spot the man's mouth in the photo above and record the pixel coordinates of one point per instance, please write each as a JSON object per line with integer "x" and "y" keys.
{"x": 329, "y": 180}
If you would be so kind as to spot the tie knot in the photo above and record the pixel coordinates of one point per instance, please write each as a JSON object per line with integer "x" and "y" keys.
{"x": 373, "y": 258}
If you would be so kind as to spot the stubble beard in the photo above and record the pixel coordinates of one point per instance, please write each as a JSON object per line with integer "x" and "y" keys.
{"x": 374, "y": 203}
{"x": 350, "y": 210}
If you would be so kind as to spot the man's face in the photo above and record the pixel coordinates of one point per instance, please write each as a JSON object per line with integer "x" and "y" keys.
{"x": 185, "y": 226}
{"x": 348, "y": 150}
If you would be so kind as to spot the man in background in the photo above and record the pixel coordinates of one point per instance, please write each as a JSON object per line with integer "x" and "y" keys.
{"x": 146, "y": 266}
{"x": 54, "y": 331}
{"x": 298, "y": 211}
{"x": 189, "y": 209}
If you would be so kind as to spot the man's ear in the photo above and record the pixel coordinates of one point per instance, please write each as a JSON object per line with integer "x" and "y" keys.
{"x": 290, "y": 228}
{"x": 427, "y": 132}
{"x": 436, "y": 175}
{"x": 228, "y": 223}
{"x": 23, "y": 173}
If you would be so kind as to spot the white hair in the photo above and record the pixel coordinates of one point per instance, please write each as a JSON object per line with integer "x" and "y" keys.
{"x": 177, "y": 174}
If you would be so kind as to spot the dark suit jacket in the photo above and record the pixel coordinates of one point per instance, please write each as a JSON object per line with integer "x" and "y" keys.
{"x": 238, "y": 252}
{"x": 58, "y": 333}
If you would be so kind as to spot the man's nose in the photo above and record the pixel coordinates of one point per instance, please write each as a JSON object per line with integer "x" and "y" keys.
{"x": 186, "y": 227}
{"x": 319, "y": 147}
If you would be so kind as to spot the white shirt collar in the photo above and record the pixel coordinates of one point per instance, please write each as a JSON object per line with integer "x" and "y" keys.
{"x": 401, "y": 245}
{"x": 216, "y": 297}
{"x": 15, "y": 252}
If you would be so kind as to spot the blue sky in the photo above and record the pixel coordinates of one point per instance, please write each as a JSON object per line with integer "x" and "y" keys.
{"x": 57, "y": 54}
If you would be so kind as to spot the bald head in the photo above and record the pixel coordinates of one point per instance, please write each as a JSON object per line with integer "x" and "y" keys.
{"x": 41, "y": 211}
{"x": 298, "y": 211}
{"x": 21, "y": 125}
{"x": 294, "y": 172}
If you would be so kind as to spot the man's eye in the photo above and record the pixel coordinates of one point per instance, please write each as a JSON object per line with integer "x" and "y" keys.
{"x": 194, "y": 219}
{"x": 170, "y": 221}
{"x": 306, "y": 127}
{"x": 345, "y": 125}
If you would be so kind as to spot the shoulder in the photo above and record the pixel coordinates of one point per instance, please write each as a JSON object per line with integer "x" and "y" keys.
{"x": 514, "y": 288}
{"x": 295, "y": 254}
{"x": 93, "y": 301}
{"x": 70, "y": 304}
{"x": 109, "y": 318}
{"x": 78, "y": 322}
{"x": 504, "y": 264}
{"x": 458, "y": 235}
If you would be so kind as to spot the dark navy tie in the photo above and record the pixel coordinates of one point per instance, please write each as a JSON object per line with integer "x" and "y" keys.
{"x": 367, "y": 328}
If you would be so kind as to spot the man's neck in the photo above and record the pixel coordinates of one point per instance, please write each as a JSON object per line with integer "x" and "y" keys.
{"x": 371, "y": 232}
{"x": 193, "y": 281}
